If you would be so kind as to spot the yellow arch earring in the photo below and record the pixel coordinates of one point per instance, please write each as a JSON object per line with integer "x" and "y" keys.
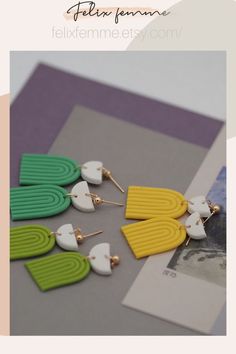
{"x": 163, "y": 233}
{"x": 147, "y": 202}
{"x": 159, "y": 207}
{"x": 153, "y": 236}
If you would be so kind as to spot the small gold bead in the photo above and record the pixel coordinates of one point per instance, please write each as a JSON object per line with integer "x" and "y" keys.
{"x": 79, "y": 238}
{"x": 115, "y": 260}
{"x": 97, "y": 200}
{"x": 106, "y": 173}
{"x": 216, "y": 209}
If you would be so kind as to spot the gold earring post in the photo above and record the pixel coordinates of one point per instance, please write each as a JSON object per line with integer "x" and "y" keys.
{"x": 80, "y": 238}
{"x": 106, "y": 173}
{"x": 93, "y": 233}
{"x": 109, "y": 202}
{"x": 189, "y": 238}
{"x": 208, "y": 217}
{"x": 98, "y": 200}
{"x": 187, "y": 242}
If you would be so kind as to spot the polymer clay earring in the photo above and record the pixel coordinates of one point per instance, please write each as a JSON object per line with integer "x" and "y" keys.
{"x": 156, "y": 235}
{"x": 94, "y": 173}
{"x": 69, "y": 239}
{"x": 44, "y": 200}
{"x": 71, "y": 267}
{"x": 36, "y": 240}
{"x": 48, "y": 169}
{"x": 85, "y": 201}
{"x": 147, "y": 202}
{"x": 195, "y": 225}
{"x": 161, "y": 234}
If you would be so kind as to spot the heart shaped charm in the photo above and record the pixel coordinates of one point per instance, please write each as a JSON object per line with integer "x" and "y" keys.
{"x": 66, "y": 239}
{"x": 99, "y": 258}
{"x": 199, "y": 204}
{"x": 194, "y": 227}
{"x": 80, "y": 197}
{"x": 91, "y": 172}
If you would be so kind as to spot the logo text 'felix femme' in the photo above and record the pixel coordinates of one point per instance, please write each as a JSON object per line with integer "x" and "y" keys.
{"x": 88, "y": 8}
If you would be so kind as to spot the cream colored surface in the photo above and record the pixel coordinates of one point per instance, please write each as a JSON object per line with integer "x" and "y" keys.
{"x": 46, "y": 28}
{"x": 4, "y": 215}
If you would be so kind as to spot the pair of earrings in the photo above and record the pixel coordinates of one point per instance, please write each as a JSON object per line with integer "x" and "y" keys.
{"x": 63, "y": 268}
{"x": 43, "y": 196}
{"x": 161, "y": 231}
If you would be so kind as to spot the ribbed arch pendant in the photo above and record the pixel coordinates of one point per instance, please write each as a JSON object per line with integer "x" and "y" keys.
{"x": 48, "y": 169}
{"x": 153, "y": 236}
{"x": 146, "y": 203}
{"x": 58, "y": 270}
{"x": 30, "y": 241}
{"x": 41, "y": 201}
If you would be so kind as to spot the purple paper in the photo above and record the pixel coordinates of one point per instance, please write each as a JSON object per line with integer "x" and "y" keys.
{"x": 44, "y": 104}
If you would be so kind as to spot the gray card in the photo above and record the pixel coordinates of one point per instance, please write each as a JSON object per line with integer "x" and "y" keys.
{"x": 136, "y": 156}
